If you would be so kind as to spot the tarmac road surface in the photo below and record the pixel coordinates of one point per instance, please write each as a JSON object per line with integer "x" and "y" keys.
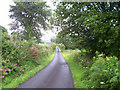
{"x": 56, "y": 75}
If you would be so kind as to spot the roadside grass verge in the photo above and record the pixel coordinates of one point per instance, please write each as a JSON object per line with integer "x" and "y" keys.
{"x": 28, "y": 73}
{"x": 77, "y": 71}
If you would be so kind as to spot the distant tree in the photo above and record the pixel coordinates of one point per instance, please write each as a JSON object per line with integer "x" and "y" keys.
{"x": 31, "y": 16}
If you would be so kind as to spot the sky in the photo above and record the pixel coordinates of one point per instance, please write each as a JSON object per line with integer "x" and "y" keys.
{"x": 5, "y": 20}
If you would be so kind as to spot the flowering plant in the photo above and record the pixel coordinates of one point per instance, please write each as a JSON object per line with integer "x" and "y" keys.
{"x": 19, "y": 56}
{"x": 103, "y": 72}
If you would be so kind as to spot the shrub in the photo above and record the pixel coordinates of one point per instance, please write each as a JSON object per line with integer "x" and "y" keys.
{"x": 17, "y": 54}
{"x": 103, "y": 73}
{"x": 10, "y": 68}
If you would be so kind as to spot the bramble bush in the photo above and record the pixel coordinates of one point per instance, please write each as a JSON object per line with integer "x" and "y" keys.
{"x": 17, "y": 55}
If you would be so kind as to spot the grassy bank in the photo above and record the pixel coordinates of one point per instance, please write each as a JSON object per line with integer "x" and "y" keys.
{"x": 77, "y": 71}
{"x": 28, "y": 73}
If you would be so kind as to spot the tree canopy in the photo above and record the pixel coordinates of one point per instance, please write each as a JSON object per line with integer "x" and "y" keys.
{"x": 94, "y": 25}
{"x": 31, "y": 17}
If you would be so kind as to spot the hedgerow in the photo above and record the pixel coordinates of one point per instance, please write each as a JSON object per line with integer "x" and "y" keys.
{"x": 100, "y": 72}
{"x": 19, "y": 56}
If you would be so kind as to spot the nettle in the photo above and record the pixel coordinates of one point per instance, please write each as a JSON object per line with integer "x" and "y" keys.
{"x": 104, "y": 72}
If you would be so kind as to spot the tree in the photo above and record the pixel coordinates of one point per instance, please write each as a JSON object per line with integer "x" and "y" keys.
{"x": 94, "y": 25}
{"x": 31, "y": 16}
{"x": 3, "y": 29}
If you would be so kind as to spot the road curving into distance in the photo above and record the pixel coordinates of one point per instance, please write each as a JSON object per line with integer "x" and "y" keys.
{"x": 56, "y": 75}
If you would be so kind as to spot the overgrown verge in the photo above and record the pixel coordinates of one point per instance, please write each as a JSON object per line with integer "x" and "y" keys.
{"x": 27, "y": 74}
{"x": 21, "y": 60}
{"x": 75, "y": 67}
{"x": 98, "y": 72}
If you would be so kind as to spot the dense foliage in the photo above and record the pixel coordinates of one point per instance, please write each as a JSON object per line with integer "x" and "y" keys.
{"x": 90, "y": 25}
{"x": 81, "y": 58}
{"x": 92, "y": 28}
{"x": 99, "y": 72}
{"x": 19, "y": 56}
{"x": 103, "y": 73}
{"x": 31, "y": 16}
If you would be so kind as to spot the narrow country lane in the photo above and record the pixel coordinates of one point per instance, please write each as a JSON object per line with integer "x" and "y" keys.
{"x": 56, "y": 75}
